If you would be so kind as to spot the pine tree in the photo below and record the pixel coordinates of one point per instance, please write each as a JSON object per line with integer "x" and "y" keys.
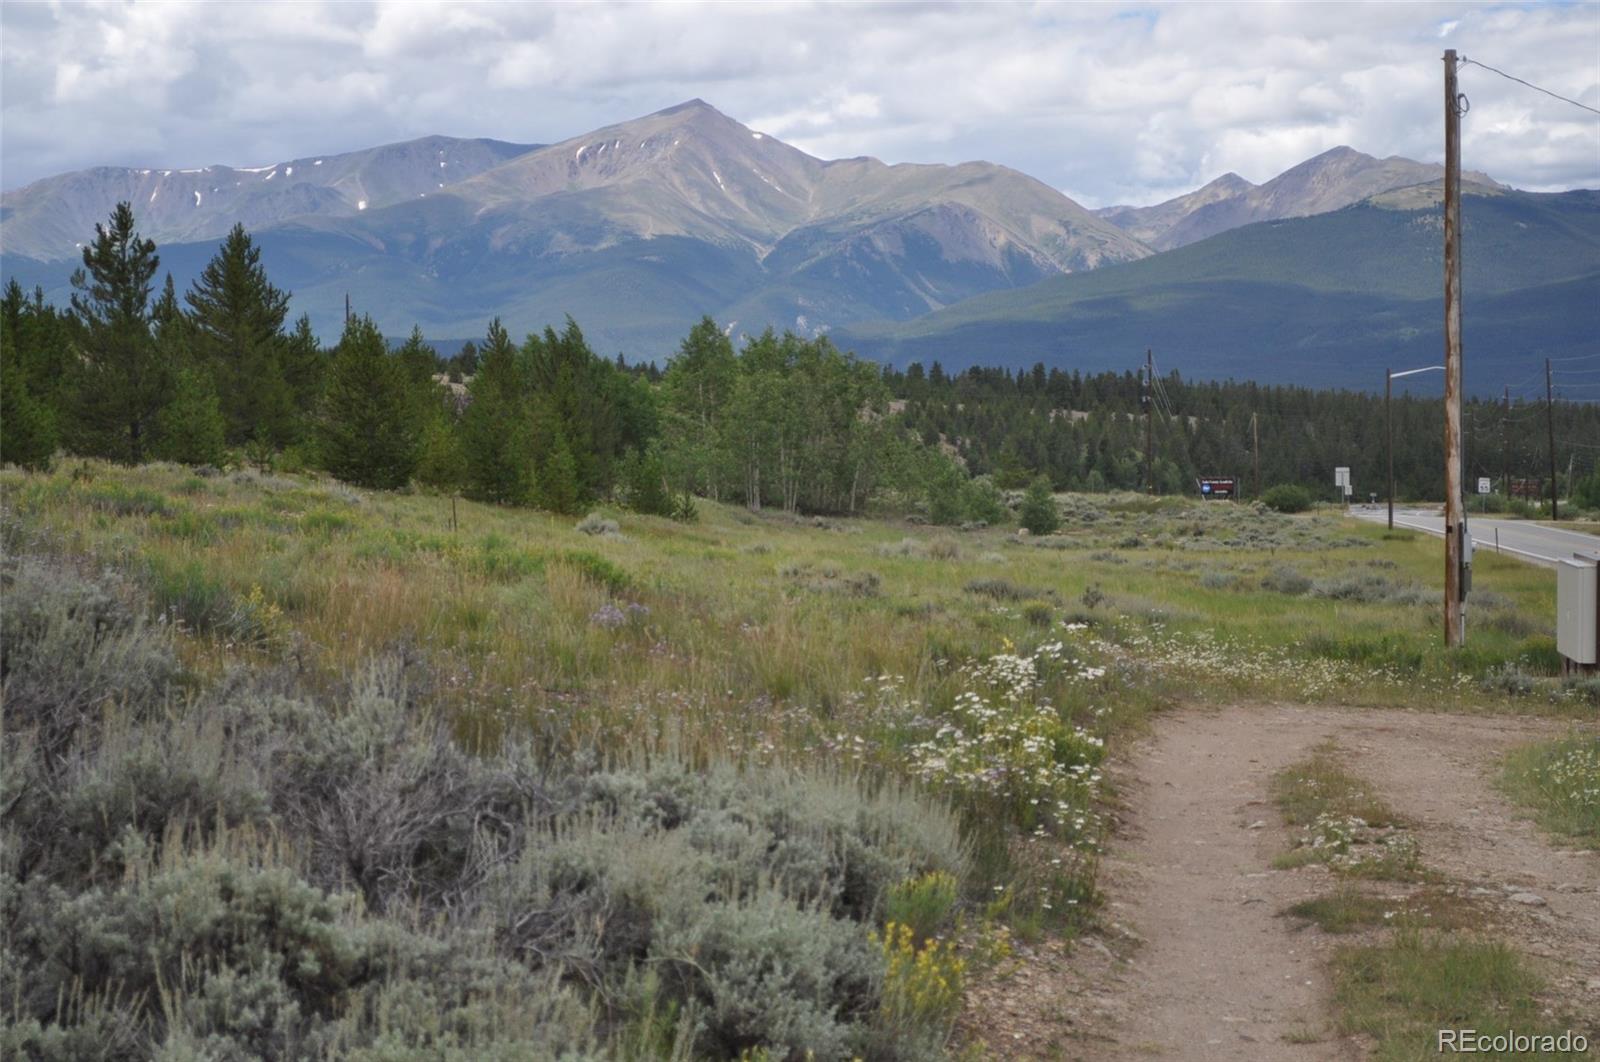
{"x": 441, "y": 463}
{"x": 465, "y": 362}
{"x": 1039, "y": 513}
{"x": 366, "y": 433}
{"x": 122, "y": 378}
{"x": 417, "y": 359}
{"x": 581, "y": 400}
{"x": 644, "y": 482}
{"x": 238, "y": 319}
{"x": 305, "y": 365}
{"x": 43, "y": 344}
{"x": 696, "y": 393}
{"x": 27, "y": 428}
{"x": 191, "y": 428}
{"x": 28, "y": 433}
{"x": 944, "y": 486}
{"x": 559, "y": 489}
{"x": 495, "y": 442}
{"x": 166, "y": 314}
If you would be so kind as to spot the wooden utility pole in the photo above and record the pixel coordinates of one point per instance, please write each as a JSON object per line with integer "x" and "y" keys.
{"x": 1550, "y": 425}
{"x": 1454, "y": 518}
{"x": 1505, "y": 444}
{"x": 347, "y": 309}
{"x": 1255, "y": 447}
{"x": 1388, "y": 429}
{"x": 1149, "y": 421}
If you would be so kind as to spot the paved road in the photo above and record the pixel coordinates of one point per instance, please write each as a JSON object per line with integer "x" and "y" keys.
{"x": 1519, "y": 538}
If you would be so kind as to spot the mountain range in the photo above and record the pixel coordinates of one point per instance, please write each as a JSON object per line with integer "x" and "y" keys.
{"x": 635, "y": 229}
{"x": 1334, "y": 179}
{"x": 50, "y": 219}
{"x": 1328, "y": 300}
{"x": 640, "y": 228}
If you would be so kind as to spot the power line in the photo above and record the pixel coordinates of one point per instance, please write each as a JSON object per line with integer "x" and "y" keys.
{"x": 1564, "y": 99}
{"x": 1159, "y": 390}
{"x": 1164, "y": 400}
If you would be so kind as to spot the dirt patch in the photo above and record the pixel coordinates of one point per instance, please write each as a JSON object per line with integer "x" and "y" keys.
{"x": 1196, "y": 960}
{"x": 1545, "y": 898}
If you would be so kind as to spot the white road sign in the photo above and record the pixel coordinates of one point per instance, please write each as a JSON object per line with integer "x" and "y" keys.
{"x": 1483, "y": 485}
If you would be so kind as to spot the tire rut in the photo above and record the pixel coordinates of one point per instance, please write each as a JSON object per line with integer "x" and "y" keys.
{"x": 1219, "y": 973}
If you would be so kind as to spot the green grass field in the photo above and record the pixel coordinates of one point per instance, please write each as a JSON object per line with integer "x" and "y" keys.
{"x": 800, "y": 612}
{"x": 977, "y": 677}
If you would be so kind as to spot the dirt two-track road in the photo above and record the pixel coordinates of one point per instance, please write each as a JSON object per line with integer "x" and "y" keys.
{"x": 1204, "y": 965}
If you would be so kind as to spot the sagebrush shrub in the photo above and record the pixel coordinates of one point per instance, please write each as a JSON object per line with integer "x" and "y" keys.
{"x": 70, "y": 643}
{"x": 272, "y": 866}
{"x": 595, "y": 524}
{"x": 999, "y": 589}
{"x": 1285, "y": 580}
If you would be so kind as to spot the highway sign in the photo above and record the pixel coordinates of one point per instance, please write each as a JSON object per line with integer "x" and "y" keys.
{"x": 1483, "y": 485}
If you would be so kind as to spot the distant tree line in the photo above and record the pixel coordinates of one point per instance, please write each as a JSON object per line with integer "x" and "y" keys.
{"x": 780, "y": 421}
{"x": 1087, "y": 433}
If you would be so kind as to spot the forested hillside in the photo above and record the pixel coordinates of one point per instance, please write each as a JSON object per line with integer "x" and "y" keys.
{"x": 1323, "y": 301}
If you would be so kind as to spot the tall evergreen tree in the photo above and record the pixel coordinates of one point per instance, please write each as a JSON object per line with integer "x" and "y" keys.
{"x": 305, "y": 365}
{"x": 27, "y": 423}
{"x": 238, "y": 319}
{"x": 417, "y": 359}
{"x": 495, "y": 444}
{"x": 572, "y": 394}
{"x": 440, "y": 463}
{"x": 695, "y": 396}
{"x": 367, "y": 434}
{"x": 44, "y": 341}
{"x": 122, "y": 378}
{"x": 465, "y": 362}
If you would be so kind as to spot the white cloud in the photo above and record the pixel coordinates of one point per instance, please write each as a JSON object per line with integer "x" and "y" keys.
{"x": 1112, "y": 104}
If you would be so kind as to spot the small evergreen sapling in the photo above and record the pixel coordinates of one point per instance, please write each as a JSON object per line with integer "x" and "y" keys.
{"x": 1039, "y": 514}
{"x": 191, "y": 427}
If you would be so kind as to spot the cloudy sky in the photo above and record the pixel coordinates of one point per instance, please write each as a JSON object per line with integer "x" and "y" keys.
{"x": 1110, "y": 103}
